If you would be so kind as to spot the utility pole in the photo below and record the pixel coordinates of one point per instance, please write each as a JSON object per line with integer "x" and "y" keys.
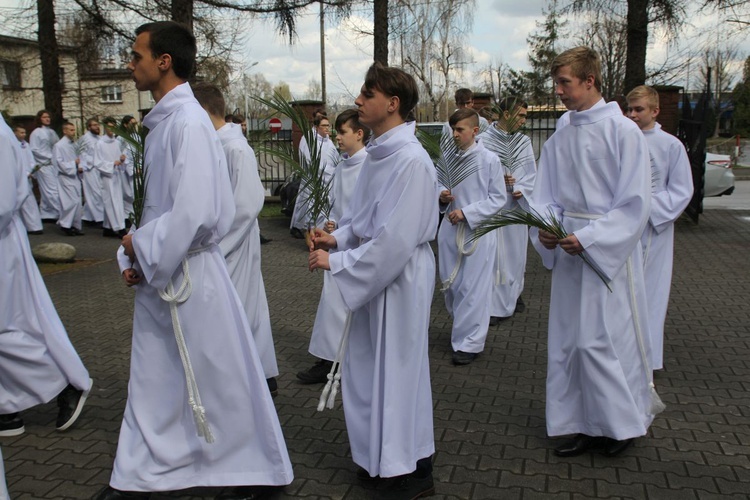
{"x": 322, "y": 55}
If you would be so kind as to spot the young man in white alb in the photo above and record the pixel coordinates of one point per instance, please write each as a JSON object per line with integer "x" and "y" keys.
{"x": 385, "y": 269}
{"x": 32, "y": 218}
{"x": 241, "y": 245}
{"x": 671, "y": 190}
{"x": 109, "y": 161}
{"x": 198, "y": 411}
{"x": 594, "y": 176}
{"x": 67, "y": 159}
{"x": 93, "y": 213}
{"x": 37, "y": 360}
{"x": 505, "y": 139}
{"x": 42, "y": 140}
{"x": 330, "y": 319}
{"x": 464, "y": 264}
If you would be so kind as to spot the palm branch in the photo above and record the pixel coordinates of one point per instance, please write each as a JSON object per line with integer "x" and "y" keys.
{"x": 134, "y": 138}
{"x": 451, "y": 165}
{"x": 311, "y": 175}
{"x": 532, "y": 218}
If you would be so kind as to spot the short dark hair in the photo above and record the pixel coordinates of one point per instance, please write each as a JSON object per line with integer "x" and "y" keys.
{"x": 175, "y": 39}
{"x": 228, "y": 118}
{"x": 109, "y": 120}
{"x": 90, "y": 121}
{"x": 510, "y": 103}
{"x": 351, "y": 117}
{"x": 319, "y": 118}
{"x": 210, "y": 98}
{"x": 125, "y": 122}
{"x": 463, "y": 96}
{"x": 238, "y": 119}
{"x": 394, "y": 82}
{"x": 66, "y": 123}
{"x": 39, "y": 114}
{"x": 463, "y": 114}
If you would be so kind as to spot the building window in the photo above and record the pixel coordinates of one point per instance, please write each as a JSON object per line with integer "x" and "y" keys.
{"x": 112, "y": 93}
{"x": 10, "y": 75}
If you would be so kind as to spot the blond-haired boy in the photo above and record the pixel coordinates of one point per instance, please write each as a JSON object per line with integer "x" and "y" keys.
{"x": 594, "y": 177}
{"x": 671, "y": 190}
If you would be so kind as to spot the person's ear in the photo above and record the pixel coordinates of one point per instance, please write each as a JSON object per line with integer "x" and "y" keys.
{"x": 165, "y": 62}
{"x": 393, "y": 104}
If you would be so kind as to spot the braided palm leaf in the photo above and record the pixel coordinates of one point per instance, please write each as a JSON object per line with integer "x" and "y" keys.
{"x": 312, "y": 177}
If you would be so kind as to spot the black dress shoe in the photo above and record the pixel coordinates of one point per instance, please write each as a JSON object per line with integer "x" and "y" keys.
{"x": 109, "y": 493}
{"x": 495, "y": 320}
{"x": 264, "y": 240}
{"x": 613, "y": 447}
{"x": 77, "y": 232}
{"x": 520, "y": 305}
{"x": 577, "y": 446}
{"x": 464, "y": 358}
{"x": 407, "y": 487}
{"x": 273, "y": 386}
{"x": 35, "y": 232}
{"x": 366, "y": 478}
{"x": 68, "y": 231}
{"x": 295, "y": 232}
{"x": 317, "y": 374}
{"x": 249, "y": 493}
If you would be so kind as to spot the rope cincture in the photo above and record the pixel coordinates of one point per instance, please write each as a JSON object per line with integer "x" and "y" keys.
{"x": 174, "y": 299}
{"x": 331, "y": 389}
{"x": 462, "y": 250}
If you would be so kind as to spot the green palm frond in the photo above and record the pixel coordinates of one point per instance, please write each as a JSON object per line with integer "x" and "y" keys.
{"x": 134, "y": 138}
{"x": 312, "y": 177}
{"x": 510, "y": 148}
{"x": 531, "y": 218}
{"x": 450, "y": 163}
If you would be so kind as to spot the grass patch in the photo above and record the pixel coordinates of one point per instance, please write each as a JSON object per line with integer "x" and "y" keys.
{"x": 271, "y": 210}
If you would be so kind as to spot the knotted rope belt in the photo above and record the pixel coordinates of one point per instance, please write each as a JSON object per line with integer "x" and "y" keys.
{"x": 174, "y": 299}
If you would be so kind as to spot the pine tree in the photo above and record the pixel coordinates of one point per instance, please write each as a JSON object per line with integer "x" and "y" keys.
{"x": 543, "y": 45}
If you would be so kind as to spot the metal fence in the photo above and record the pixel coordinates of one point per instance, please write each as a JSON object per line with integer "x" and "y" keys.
{"x": 540, "y": 125}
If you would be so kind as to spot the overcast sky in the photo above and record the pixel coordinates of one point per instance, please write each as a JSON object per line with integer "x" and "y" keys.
{"x": 498, "y": 36}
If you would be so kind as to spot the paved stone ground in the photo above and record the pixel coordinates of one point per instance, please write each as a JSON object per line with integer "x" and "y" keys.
{"x": 489, "y": 416}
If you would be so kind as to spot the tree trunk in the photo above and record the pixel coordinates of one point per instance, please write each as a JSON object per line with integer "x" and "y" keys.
{"x": 380, "y": 28}
{"x": 637, "y": 29}
{"x": 182, "y": 12}
{"x": 48, "y": 54}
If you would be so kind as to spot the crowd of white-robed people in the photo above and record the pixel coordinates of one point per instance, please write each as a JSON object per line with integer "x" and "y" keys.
{"x": 86, "y": 179}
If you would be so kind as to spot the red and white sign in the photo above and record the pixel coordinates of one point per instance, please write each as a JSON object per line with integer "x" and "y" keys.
{"x": 275, "y": 125}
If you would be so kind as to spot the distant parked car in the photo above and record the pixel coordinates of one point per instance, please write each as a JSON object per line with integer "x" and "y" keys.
{"x": 719, "y": 179}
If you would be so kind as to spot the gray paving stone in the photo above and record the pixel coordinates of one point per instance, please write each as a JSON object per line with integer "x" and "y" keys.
{"x": 489, "y": 417}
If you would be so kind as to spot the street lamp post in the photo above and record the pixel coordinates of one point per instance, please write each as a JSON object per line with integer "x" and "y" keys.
{"x": 244, "y": 84}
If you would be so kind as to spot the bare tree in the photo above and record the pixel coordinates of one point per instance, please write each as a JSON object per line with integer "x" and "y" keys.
{"x": 49, "y": 56}
{"x": 431, "y": 35}
{"x": 716, "y": 64}
{"x": 607, "y": 34}
{"x": 640, "y": 16}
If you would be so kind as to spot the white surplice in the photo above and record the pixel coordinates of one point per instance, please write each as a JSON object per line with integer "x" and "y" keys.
{"x": 328, "y": 157}
{"x": 241, "y": 245}
{"x": 37, "y": 360}
{"x": 594, "y": 176}
{"x": 385, "y": 270}
{"x": 30, "y": 214}
{"x": 106, "y": 152}
{"x": 188, "y": 209}
{"x": 42, "y": 140}
{"x": 332, "y": 311}
{"x": 479, "y": 196}
{"x": 69, "y": 183}
{"x": 671, "y": 191}
{"x": 92, "y": 184}
{"x": 517, "y": 157}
